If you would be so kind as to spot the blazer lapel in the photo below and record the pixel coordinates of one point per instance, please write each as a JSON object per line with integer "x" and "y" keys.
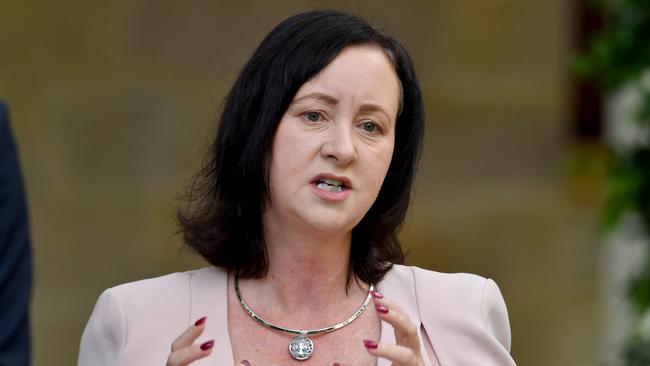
{"x": 398, "y": 286}
{"x": 209, "y": 294}
{"x": 209, "y": 297}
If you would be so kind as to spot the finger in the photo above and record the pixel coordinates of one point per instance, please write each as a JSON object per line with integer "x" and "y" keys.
{"x": 398, "y": 355}
{"x": 189, "y": 335}
{"x": 187, "y": 355}
{"x": 406, "y": 332}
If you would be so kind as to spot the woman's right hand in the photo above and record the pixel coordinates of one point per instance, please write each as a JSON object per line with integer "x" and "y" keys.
{"x": 184, "y": 351}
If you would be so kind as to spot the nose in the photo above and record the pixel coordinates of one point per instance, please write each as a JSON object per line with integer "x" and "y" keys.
{"x": 340, "y": 145}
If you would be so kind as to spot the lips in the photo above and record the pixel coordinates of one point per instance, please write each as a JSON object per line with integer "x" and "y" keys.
{"x": 331, "y": 182}
{"x": 331, "y": 187}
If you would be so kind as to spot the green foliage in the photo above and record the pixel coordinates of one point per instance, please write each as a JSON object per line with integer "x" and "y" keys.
{"x": 619, "y": 54}
{"x": 637, "y": 352}
{"x": 616, "y": 55}
{"x": 639, "y": 291}
{"x": 643, "y": 115}
{"x": 628, "y": 188}
{"x": 622, "y": 50}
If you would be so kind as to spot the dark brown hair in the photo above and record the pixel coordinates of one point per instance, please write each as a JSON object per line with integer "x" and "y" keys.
{"x": 223, "y": 219}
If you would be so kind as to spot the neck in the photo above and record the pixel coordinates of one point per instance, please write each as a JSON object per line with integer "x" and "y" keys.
{"x": 307, "y": 275}
{"x": 306, "y": 269}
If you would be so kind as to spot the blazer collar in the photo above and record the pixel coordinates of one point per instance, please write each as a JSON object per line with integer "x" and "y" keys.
{"x": 209, "y": 297}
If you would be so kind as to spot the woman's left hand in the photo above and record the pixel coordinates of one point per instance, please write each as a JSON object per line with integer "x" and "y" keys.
{"x": 406, "y": 351}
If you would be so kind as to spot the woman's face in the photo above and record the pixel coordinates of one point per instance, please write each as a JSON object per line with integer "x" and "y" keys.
{"x": 334, "y": 144}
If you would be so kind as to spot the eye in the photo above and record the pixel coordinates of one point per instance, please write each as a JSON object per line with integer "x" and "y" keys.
{"x": 313, "y": 116}
{"x": 370, "y": 127}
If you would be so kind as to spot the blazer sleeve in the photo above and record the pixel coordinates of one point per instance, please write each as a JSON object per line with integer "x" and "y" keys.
{"x": 495, "y": 314}
{"x": 465, "y": 318}
{"x": 105, "y": 333}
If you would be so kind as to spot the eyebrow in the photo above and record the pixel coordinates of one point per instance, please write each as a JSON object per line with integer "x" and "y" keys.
{"x": 370, "y": 107}
{"x": 324, "y": 97}
{"x": 365, "y": 108}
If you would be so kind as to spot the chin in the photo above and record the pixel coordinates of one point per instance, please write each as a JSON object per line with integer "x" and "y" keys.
{"x": 328, "y": 225}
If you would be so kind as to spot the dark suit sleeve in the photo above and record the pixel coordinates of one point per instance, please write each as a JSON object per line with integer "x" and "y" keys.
{"x": 15, "y": 254}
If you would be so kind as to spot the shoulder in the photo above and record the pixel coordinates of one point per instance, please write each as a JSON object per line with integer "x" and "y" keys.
{"x": 457, "y": 307}
{"x": 153, "y": 310}
{"x": 438, "y": 280}
{"x": 7, "y": 144}
{"x": 3, "y": 113}
{"x": 458, "y": 288}
{"x": 477, "y": 296}
{"x": 152, "y": 287}
{"x": 142, "y": 293}
{"x": 155, "y": 297}
{"x": 5, "y": 133}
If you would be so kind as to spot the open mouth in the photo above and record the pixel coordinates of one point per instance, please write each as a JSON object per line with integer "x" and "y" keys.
{"x": 330, "y": 184}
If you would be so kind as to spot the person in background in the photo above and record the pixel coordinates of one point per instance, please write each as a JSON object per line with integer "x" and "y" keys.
{"x": 15, "y": 254}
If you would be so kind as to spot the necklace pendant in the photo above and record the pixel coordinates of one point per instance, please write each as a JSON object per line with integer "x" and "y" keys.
{"x": 301, "y": 347}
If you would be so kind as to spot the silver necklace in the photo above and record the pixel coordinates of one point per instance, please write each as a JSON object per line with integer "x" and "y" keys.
{"x": 301, "y": 347}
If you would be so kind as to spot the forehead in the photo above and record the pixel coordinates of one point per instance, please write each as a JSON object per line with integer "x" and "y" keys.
{"x": 358, "y": 74}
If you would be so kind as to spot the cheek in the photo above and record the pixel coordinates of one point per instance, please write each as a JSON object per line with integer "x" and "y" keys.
{"x": 289, "y": 157}
{"x": 386, "y": 155}
{"x": 376, "y": 167}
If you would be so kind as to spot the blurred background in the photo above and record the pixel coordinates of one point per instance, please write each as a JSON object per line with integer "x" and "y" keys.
{"x": 112, "y": 104}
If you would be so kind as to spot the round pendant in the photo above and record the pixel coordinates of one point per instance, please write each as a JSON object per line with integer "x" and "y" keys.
{"x": 301, "y": 347}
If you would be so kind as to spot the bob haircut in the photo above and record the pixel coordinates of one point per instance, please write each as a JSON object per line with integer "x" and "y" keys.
{"x": 223, "y": 218}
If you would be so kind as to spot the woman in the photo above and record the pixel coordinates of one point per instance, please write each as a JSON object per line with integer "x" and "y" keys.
{"x": 307, "y": 183}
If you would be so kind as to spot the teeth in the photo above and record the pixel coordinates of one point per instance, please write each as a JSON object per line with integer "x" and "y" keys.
{"x": 334, "y": 182}
{"x": 329, "y": 187}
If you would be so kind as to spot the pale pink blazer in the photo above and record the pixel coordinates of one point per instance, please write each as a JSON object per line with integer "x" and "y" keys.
{"x": 463, "y": 318}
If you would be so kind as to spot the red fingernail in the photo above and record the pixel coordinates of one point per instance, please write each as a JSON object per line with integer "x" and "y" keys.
{"x": 370, "y": 344}
{"x": 207, "y": 345}
{"x": 381, "y": 308}
{"x": 201, "y": 321}
{"x": 376, "y": 294}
